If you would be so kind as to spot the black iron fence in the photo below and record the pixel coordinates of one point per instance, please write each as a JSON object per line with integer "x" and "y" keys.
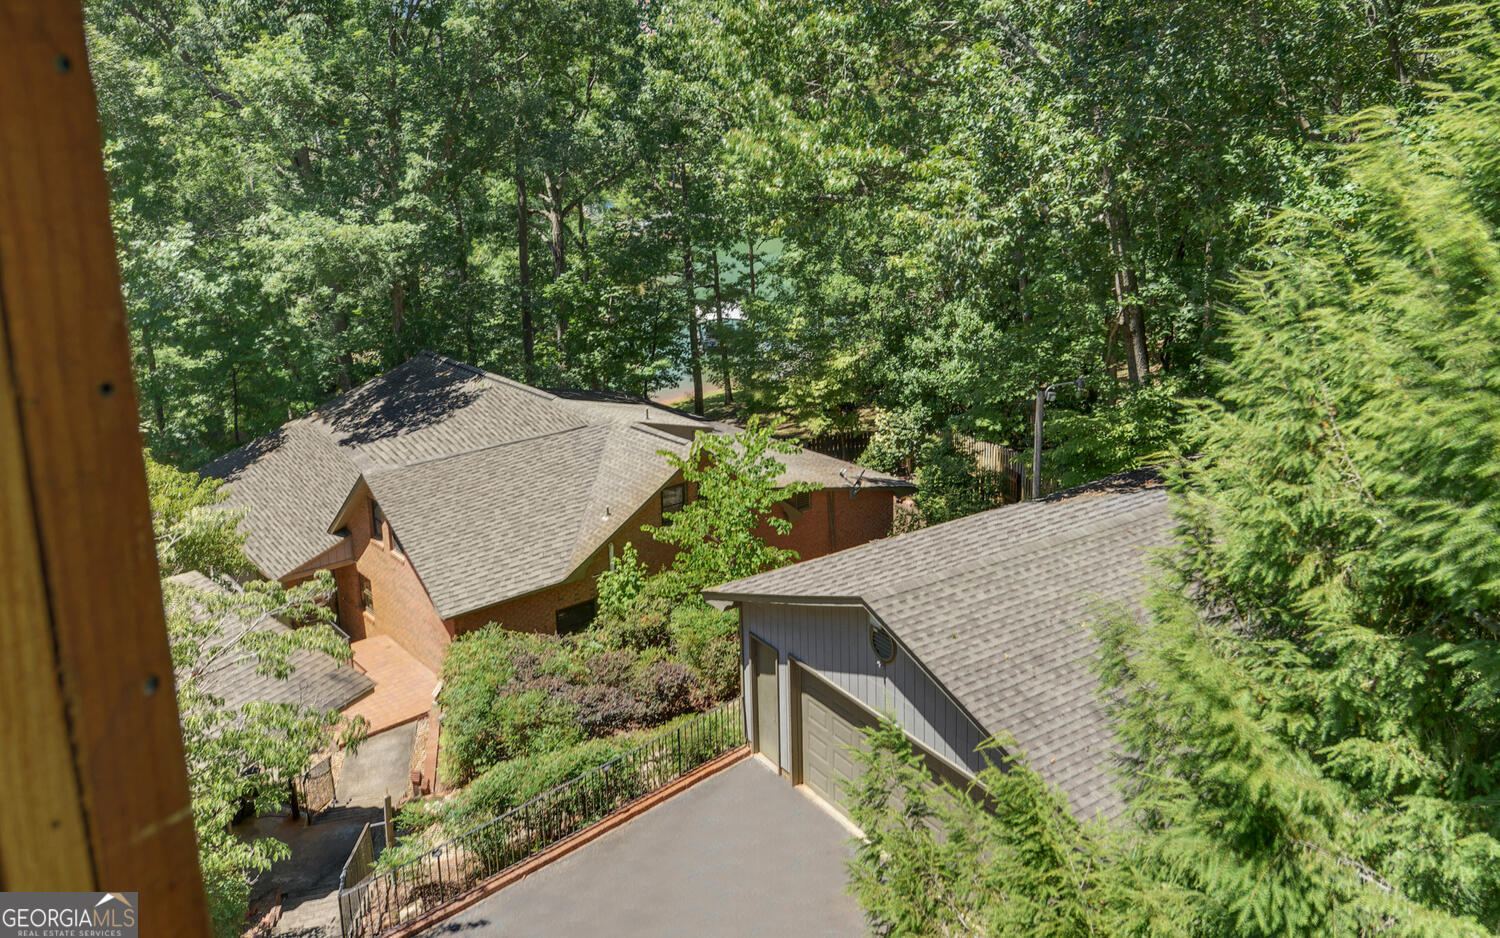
{"x": 387, "y": 900}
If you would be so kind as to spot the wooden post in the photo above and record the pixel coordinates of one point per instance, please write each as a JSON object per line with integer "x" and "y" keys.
{"x": 390, "y": 824}
{"x": 98, "y": 795}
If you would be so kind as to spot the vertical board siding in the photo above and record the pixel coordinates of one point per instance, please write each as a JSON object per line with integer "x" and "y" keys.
{"x": 835, "y": 642}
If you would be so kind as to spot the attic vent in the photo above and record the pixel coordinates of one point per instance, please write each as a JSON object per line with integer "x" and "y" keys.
{"x": 883, "y": 644}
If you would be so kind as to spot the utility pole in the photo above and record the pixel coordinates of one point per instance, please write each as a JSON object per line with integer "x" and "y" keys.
{"x": 1036, "y": 443}
{"x": 1044, "y": 394}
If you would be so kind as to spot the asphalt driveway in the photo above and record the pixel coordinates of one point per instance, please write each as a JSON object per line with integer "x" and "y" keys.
{"x": 741, "y": 853}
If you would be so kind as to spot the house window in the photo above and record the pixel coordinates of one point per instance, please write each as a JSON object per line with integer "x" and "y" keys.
{"x": 377, "y": 522}
{"x": 672, "y": 498}
{"x": 366, "y": 595}
{"x": 576, "y": 618}
{"x": 801, "y": 501}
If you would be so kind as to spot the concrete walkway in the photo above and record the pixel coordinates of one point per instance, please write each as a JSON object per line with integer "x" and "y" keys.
{"x": 309, "y": 878}
{"x": 741, "y": 853}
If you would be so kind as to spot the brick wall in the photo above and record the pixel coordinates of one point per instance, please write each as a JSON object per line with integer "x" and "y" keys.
{"x": 401, "y": 606}
{"x": 403, "y": 610}
{"x": 858, "y": 520}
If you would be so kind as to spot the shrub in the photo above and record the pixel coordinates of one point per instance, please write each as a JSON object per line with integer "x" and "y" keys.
{"x": 504, "y": 696}
{"x": 517, "y": 781}
{"x": 532, "y": 721}
{"x": 644, "y": 624}
{"x": 602, "y": 708}
{"x": 622, "y": 584}
{"x": 664, "y": 689}
{"x": 707, "y": 640}
{"x": 610, "y": 667}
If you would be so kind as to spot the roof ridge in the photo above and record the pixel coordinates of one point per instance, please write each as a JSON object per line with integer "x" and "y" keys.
{"x": 646, "y": 428}
{"x": 1066, "y": 535}
{"x": 489, "y": 376}
{"x": 871, "y": 550}
{"x": 385, "y": 469}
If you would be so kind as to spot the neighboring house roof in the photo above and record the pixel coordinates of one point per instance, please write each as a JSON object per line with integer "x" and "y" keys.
{"x": 494, "y": 488}
{"x": 994, "y": 606}
{"x": 317, "y": 681}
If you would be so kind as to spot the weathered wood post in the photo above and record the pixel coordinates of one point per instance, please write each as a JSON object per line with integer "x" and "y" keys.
{"x": 86, "y": 676}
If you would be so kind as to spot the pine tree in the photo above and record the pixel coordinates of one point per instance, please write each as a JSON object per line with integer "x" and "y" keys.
{"x": 1310, "y": 714}
{"x": 1314, "y": 711}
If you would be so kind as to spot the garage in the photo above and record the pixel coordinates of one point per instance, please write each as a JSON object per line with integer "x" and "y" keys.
{"x": 830, "y": 726}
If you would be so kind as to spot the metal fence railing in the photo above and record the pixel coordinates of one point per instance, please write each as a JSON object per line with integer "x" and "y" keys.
{"x": 387, "y": 900}
{"x": 362, "y": 857}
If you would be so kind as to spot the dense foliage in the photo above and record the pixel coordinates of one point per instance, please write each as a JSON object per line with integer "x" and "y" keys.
{"x": 1310, "y": 713}
{"x": 920, "y": 211}
{"x": 509, "y": 695}
{"x": 236, "y": 755}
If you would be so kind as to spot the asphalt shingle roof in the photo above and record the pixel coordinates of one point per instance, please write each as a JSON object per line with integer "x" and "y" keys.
{"x": 995, "y": 606}
{"x": 533, "y": 510}
{"x": 317, "y": 681}
{"x": 495, "y": 488}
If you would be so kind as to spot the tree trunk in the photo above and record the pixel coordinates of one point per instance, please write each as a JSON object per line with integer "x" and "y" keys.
{"x": 343, "y": 360}
{"x": 398, "y": 307}
{"x": 695, "y": 346}
{"x": 723, "y": 345}
{"x": 1131, "y": 317}
{"x": 158, "y": 411}
{"x": 234, "y": 400}
{"x": 557, "y": 235}
{"x": 523, "y": 275}
{"x": 750, "y": 243}
{"x": 463, "y": 282}
{"x": 583, "y": 243}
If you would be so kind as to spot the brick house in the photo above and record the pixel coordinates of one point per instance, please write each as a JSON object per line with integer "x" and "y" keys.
{"x": 443, "y": 498}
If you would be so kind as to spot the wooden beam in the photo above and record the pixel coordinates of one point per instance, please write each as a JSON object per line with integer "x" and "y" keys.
{"x": 97, "y": 794}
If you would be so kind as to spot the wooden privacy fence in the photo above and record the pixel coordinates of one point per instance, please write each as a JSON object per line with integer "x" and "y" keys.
{"x": 315, "y": 786}
{"x": 361, "y": 862}
{"x": 847, "y": 445}
{"x": 387, "y": 900}
{"x": 1002, "y": 470}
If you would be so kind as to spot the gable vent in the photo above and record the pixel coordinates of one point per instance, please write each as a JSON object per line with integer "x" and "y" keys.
{"x": 883, "y": 644}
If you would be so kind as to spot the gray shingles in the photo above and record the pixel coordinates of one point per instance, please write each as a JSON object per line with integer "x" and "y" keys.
{"x": 995, "y": 606}
{"x": 317, "y": 681}
{"x": 535, "y": 481}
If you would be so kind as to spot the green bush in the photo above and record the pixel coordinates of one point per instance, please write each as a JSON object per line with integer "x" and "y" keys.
{"x": 1141, "y": 427}
{"x": 517, "y": 781}
{"x": 642, "y": 624}
{"x": 493, "y": 708}
{"x": 621, "y": 584}
{"x": 707, "y": 640}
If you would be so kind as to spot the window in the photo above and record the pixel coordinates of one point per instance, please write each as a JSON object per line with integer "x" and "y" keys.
{"x": 366, "y": 595}
{"x": 576, "y": 618}
{"x": 672, "y": 498}
{"x": 377, "y": 522}
{"x": 801, "y": 501}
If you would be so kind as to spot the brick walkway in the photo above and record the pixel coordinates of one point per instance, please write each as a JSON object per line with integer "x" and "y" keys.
{"x": 403, "y": 686}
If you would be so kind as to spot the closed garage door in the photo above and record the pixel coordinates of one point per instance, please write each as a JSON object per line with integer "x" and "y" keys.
{"x": 831, "y": 725}
{"x": 830, "y": 728}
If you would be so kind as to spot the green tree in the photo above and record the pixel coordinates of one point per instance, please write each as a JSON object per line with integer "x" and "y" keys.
{"x": 246, "y": 754}
{"x": 1310, "y": 712}
{"x": 1315, "y": 728}
{"x": 718, "y": 532}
